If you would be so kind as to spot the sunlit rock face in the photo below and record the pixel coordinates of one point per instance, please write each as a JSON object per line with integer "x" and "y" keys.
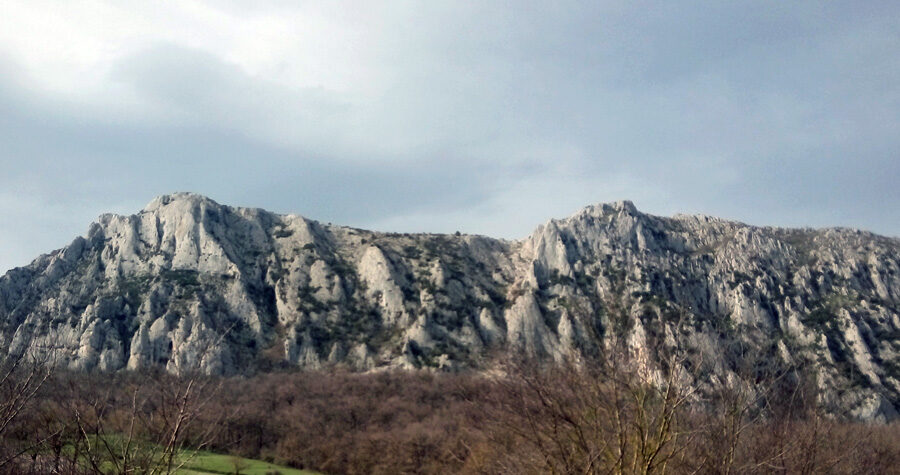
{"x": 189, "y": 284}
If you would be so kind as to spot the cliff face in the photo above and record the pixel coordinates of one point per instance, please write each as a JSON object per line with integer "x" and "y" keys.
{"x": 190, "y": 284}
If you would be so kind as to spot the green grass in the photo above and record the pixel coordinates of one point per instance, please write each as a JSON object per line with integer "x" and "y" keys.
{"x": 201, "y": 462}
{"x": 208, "y": 462}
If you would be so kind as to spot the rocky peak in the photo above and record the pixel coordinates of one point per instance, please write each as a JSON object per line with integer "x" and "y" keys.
{"x": 606, "y": 210}
{"x": 188, "y": 283}
{"x": 179, "y": 200}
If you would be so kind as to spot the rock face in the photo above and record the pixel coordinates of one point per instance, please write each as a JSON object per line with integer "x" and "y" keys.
{"x": 190, "y": 284}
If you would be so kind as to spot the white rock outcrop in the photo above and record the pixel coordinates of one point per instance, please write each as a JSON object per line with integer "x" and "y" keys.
{"x": 189, "y": 284}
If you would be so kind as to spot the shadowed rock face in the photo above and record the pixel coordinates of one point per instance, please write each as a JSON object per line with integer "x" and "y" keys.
{"x": 190, "y": 284}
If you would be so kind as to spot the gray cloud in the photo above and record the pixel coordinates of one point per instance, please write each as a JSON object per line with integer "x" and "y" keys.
{"x": 483, "y": 118}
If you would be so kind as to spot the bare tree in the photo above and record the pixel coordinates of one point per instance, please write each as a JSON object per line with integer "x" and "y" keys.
{"x": 152, "y": 423}
{"x": 22, "y": 376}
{"x": 601, "y": 415}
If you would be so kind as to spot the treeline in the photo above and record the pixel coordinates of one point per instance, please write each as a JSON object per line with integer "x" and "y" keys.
{"x": 598, "y": 417}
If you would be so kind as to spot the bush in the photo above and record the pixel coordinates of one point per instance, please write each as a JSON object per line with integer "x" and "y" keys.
{"x": 585, "y": 417}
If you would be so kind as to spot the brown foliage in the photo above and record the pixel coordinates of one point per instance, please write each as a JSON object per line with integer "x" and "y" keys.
{"x": 123, "y": 423}
{"x": 21, "y": 379}
{"x": 567, "y": 418}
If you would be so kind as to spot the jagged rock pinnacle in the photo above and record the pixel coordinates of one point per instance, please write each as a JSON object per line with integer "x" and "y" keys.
{"x": 190, "y": 284}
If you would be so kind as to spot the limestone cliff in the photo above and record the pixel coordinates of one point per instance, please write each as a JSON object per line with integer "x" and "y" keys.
{"x": 188, "y": 284}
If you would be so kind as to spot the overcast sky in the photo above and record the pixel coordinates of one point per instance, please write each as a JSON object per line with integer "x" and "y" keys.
{"x": 484, "y": 117}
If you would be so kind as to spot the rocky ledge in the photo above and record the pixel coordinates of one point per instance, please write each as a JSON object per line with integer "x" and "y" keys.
{"x": 189, "y": 284}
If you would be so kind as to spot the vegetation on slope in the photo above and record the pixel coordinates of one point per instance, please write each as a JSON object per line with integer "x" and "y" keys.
{"x": 602, "y": 416}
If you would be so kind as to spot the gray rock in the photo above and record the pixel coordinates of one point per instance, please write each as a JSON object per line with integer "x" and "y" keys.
{"x": 189, "y": 284}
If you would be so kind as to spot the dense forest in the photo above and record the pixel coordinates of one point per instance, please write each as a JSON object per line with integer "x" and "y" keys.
{"x": 597, "y": 416}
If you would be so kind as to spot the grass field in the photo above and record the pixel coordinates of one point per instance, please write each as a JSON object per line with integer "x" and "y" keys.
{"x": 199, "y": 462}
{"x": 208, "y": 462}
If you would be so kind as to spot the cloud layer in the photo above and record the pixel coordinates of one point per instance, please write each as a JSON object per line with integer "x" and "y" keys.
{"x": 488, "y": 117}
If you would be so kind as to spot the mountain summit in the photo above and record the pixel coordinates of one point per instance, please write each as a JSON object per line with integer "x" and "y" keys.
{"x": 189, "y": 284}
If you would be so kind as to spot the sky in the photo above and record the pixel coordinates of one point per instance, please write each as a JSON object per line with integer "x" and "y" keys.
{"x": 485, "y": 117}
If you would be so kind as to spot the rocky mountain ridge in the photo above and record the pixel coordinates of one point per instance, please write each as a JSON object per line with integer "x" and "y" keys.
{"x": 189, "y": 284}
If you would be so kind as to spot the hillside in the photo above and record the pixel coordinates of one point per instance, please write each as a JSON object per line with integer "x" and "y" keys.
{"x": 188, "y": 284}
